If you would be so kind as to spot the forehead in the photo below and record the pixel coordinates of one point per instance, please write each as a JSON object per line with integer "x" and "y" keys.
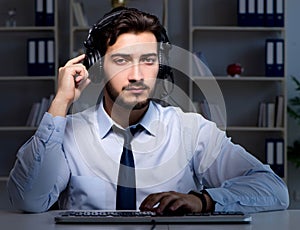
{"x": 128, "y": 43}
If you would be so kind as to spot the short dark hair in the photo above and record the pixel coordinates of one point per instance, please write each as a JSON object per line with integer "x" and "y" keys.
{"x": 124, "y": 20}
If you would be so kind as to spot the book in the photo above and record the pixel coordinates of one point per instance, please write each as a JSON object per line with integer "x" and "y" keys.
{"x": 279, "y": 13}
{"x": 49, "y": 13}
{"x": 260, "y": 12}
{"x": 279, "y": 58}
{"x": 251, "y": 13}
{"x": 269, "y": 13}
{"x": 31, "y": 57}
{"x": 279, "y": 151}
{"x": 44, "y": 12}
{"x": 242, "y": 12}
{"x": 262, "y": 121}
{"x": 274, "y": 57}
{"x": 44, "y": 105}
{"x": 279, "y": 111}
{"x": 32, "y": 117}
{"x": 41, "y": 57}
{"x": 264, "y": 13}
{"x": 270, "y": 146}
{"x": 270, "y": 114}
{"x": 269, "y": 58}
{"x": 50, "y": 54}
{"x": 38, "y": 110}
{"x": 274, "y": 152}
{"x": 39, "y": 12}
{"x": 79, "y": 14}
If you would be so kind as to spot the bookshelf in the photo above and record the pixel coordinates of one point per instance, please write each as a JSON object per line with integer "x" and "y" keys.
{"x": 96, "y": 9}
{"x": 214, "y": 31}
{"x": 18, "y": 90}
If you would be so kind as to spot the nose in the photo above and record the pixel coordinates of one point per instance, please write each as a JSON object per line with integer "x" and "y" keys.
{"x": 135, "y": 73}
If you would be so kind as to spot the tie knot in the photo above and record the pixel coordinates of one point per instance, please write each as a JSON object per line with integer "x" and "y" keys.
{"x": 128, "y": 133}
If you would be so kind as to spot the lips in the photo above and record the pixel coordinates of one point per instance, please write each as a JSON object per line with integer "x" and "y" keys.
{"x": 136, "y": 90}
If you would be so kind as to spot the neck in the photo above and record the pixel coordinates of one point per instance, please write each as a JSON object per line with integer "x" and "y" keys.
{"x": 123, "y": 116}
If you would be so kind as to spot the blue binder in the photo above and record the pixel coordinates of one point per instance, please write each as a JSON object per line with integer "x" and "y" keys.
{"x": 41, "y": 57}
{"x": 251, "y": 13}
{"x": 274, "y": 57}
{"x": 242, "y": 12}
{"x": 279, "y": 58}
{"x": 260, "y": 12}
{"x": 270, "y": 13}
{"x": 279, "y": 13}
{"x": 39, "y": 12}
{"x": 31, "y": 57}
{"x": 49, "y": 13}
{"x": 44, "y": 12}
{"x": 269, "y": 57}
{"x": 50, "y": 57}
{"x": 275, "y": 155}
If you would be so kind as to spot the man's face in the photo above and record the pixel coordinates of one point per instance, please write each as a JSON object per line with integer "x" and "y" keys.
{"x": 131, "y": 67}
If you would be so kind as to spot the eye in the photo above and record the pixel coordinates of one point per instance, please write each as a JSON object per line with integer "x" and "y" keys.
{"x": 150, "y": 60}
{"x": 120, "y": 61}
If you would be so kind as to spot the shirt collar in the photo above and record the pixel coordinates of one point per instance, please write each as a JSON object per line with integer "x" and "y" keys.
{"x": 105, "y": 122}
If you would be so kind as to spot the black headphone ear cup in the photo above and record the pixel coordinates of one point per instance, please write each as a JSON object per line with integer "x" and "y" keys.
{"x": 92, "y": 56}
{"x": 165, "y": 71}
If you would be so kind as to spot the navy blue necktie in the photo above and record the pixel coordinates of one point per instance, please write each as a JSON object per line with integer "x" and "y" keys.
{"x": 126, "y": 188}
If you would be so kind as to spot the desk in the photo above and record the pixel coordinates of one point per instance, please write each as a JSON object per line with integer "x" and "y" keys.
{"x": 281, "y": 220}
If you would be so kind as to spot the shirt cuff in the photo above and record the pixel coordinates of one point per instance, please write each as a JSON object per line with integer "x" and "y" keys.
{"x": 221, "y": 197}
{"x": 51, "y": 128}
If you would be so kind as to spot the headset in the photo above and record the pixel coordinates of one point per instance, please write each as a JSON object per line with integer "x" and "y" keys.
{"x": 94, "y": 55}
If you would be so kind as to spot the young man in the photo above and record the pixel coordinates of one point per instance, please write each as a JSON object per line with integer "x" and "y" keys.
{"x": 181, "y": 162}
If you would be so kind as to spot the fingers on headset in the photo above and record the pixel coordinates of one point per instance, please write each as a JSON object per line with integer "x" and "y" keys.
{"x": 75, "y": 60}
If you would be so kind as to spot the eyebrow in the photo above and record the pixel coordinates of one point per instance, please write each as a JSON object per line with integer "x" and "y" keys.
{"x": 128, "y": 55}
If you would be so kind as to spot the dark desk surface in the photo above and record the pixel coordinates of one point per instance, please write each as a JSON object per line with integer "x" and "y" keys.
{"x": 280, "y": 220}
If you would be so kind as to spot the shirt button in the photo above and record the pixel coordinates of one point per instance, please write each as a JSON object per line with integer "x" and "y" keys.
{"x": 50, "y": 127}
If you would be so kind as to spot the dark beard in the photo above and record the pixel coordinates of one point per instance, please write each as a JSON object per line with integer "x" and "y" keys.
{"x": 114, "y": 96}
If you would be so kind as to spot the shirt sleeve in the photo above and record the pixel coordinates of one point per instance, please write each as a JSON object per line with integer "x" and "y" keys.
{"x": 238, "y": 181}
{"x": 41, "y": 171}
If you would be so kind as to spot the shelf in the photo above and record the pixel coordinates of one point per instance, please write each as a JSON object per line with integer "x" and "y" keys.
{"x": 3, "y": 179}
{"x": 18, "y": 90}
{"x": 242, "y": 78}
{"x": 17, "y": 128}
{"x": 213, "y": 31}
{"x": 27, "y": 78}
{"x": 255, "y": 129}
{"x": 28, "y": 29}
{"x": 238, "y": 28}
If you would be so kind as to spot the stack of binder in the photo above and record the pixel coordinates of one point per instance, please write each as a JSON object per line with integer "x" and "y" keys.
{"x": 41, "y": 57}
{"x": 44, "y": 12}
{"x": 37, "y": 111}
{"x": 275, "y": 155}
{"x": 271, "y": 113}
{"x": 274, "y": 59}
{"x": 269, "y": 13}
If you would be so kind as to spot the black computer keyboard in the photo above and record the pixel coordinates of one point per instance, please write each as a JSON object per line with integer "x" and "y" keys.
{"x": 99, "y": 216}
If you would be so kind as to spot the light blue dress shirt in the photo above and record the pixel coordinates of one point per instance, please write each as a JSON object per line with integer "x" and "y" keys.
{"x": 75, "y": 160}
